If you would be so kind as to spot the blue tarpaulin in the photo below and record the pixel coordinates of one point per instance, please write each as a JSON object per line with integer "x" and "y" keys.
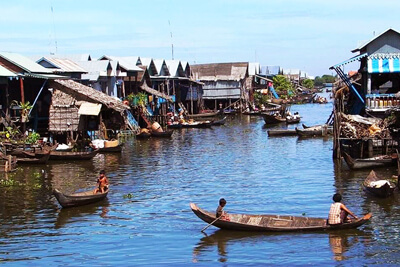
{"x": 271, "y": 88}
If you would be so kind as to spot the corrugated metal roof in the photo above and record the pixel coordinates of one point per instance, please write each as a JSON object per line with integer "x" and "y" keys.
{"x": 98, "y": 67}
{"x": 175, "y": 68}
{"x": 374, "y": 38}
{"x": 220, "y": 71}
{"x": 270, "y": 70}
{"x": 75, "y": 57}
{"x": 254, "y": 68}
{"x": 62, "y": 64}
{"x": 162, "y": 68}
{"x": 6, "y": 73}
{"x": 128, "y": 63}
{"x": 24, "y": 63}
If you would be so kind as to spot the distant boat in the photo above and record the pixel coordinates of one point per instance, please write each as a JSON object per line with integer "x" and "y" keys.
{"x": 374, "y": 162}
{"x": 73, "y": 155}
{"x": 378, "y": 187}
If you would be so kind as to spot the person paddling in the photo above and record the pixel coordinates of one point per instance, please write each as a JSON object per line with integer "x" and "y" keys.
{"x": 102, "y": 183}
{"x": 338, "y": 212}
{"x": 220, "y": 213}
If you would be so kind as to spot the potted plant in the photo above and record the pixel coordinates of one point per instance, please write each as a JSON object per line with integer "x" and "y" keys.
{"x": 25, "y": 108}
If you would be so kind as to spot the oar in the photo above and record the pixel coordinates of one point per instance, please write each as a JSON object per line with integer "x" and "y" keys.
{"x": 211, "y": 223}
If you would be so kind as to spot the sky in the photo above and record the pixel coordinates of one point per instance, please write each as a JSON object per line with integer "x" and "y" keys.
{"x": 310, "y": 35}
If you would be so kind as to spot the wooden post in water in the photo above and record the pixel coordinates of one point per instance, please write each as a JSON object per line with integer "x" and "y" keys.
{"x": 370, "y": 148}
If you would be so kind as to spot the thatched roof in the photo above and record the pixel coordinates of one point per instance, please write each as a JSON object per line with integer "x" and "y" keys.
{"x": 85, "y": 93}
{"x": 220, "y": 71}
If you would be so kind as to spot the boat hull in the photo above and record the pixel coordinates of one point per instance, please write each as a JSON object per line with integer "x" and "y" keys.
{"x": 383, "y": 191}
{"x": 368, "y": 163}
{"x": 71, "y": 155}
{"x": 273, "y": 223}
{"x": 78, "y": 199}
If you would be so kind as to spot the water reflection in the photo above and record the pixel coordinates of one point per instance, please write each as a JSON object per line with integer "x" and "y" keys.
{"x": 341, "y": 242}
{"x": 72, "y": 215}
{"x": 220, "y": 239}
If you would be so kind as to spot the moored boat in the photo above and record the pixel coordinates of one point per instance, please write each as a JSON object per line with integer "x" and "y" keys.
{"x": 313, "y": 131}
{"x": 377, "y": 186}
{"x": 73, "y": 155}
{"x": 273, "y": 223}
{"x": 282, "y": 132}
{"x": 219, "y": 122}
{"x": 374, "y": 162}
{"x": 78, "y": 199}
{"x": 272, "y": 118}
{"x": 163, "y": 134}
{"x": 197, "y": 124}
{"x": 203, "y": 115}
{"x": 37, "y": 157}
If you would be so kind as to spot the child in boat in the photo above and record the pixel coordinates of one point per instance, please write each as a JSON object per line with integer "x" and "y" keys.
{"x": 220, "y": 213}
{"x": 102, "y": 183}
{"x": 338, "y": 212}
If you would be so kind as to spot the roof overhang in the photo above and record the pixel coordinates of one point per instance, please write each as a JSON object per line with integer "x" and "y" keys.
{"x": 44, "y": 76}
{"x": 352, "y": 59}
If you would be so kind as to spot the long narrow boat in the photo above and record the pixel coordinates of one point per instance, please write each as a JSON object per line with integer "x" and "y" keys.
{"x": 273, "y": 118}
{"x": 273, "y": 223}
{"x": 73, "y": 155}
{"x": 374, "y": 162}
{"x": 112, "y": 149}
{"x": 203, "y": 115}
{"x": 219, "y": 122}
{"x": 197, "y": 124}
{"x": 164, "y": 134}
{"x": 282, "y": 132}
{"x": 37, "y": 157}
{"x": 313, "y": 131}
{"x": 377, "y": 186}
{"x": 292, "y": 119}
{"x": 78, "y": 199}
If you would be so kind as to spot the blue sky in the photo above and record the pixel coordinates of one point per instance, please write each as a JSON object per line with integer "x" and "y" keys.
{"x": 311, "y": 35}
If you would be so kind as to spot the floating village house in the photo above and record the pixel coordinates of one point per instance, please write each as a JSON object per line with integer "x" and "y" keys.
{"x": 367, "y": 105}
{"x": 61, "y": 106}
{"x": 224, "y": 83}
{"x": 76, "y": 109}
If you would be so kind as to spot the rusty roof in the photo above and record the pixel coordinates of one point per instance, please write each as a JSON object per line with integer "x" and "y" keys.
{"x": 220, "y": 71}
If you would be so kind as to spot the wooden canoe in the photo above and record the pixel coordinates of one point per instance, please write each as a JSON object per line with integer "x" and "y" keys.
{"x": 143, "y": 135}
{"x": 204, "y": 115}
{"x": 282, "y": 132}
{"x": 73, "y": 155}
{"x": 273, "y": 223}
{"x": 377, "y": 186}
{"x": 34, "y": 157}
{"x": 374, "y": 162}
{"x": 312, "y": 131}
{"x": 219, "y": 122}
{"x": 292, "y": 120}
{"x": 113, "y": 149}
{"x": 164, "y": 134}
{"x": 197, "y": 124}
{"x": 272, "y": 118}
{"x": 78, "y": 199}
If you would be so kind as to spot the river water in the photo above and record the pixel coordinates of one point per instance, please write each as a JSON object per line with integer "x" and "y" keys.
{"x": 146, "y": 219}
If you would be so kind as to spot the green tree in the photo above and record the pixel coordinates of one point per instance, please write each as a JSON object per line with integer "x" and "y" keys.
{"x": 282, "y": 85}
{"x": 308, "y": 83}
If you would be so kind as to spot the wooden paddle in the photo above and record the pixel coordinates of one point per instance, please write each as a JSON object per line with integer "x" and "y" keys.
{"x": 211, "y": 223}
{"x": 222, "y": 213}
